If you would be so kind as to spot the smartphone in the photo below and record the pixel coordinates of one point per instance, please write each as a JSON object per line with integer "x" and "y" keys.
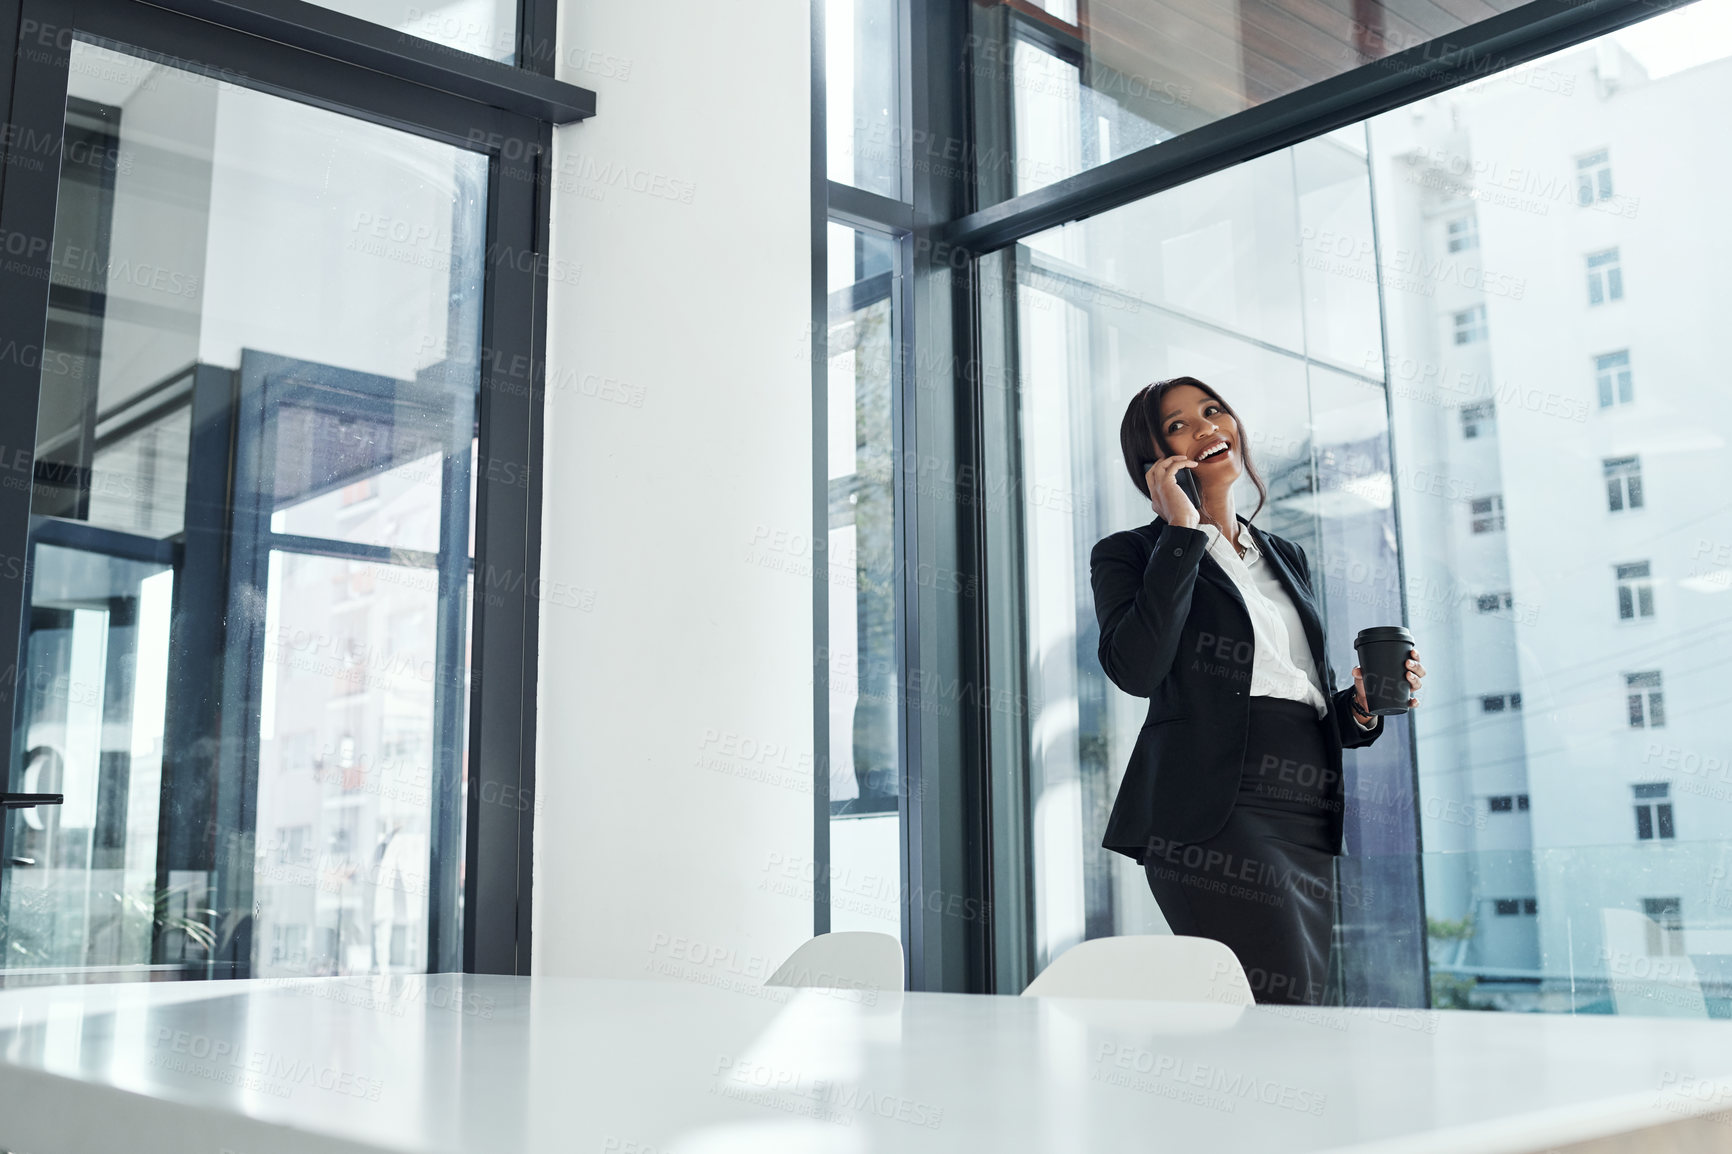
{"x": 1185, "y": 481}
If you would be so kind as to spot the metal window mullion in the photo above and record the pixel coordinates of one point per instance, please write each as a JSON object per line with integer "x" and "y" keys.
{"x": 818, "y": 325}
{"x": 339, "y": 549}
{"x": 303, "y": 76}
{"x": 27, "y": 210}
{"x": 1499, "y": 42}
{"x": 538, "y": 37}
{"x": 496, "y": 919}
{"x": 354, "y": 41}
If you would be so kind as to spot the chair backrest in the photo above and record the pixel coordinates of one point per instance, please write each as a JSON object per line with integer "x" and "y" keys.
{"x": 851, "y": 959}
{"x": 1155, "y": 967}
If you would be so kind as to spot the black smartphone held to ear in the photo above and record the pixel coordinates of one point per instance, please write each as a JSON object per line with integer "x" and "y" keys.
{"x": 1184, "y": 480}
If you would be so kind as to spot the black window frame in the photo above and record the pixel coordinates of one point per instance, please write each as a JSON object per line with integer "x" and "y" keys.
{"x": 342, "y": 63}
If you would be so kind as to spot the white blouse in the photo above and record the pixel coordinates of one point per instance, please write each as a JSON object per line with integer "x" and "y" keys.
{"x": 1282, "y": 663}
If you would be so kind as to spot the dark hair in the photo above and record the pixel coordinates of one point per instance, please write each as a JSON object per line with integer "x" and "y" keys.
{"x": 1142, "y": 427}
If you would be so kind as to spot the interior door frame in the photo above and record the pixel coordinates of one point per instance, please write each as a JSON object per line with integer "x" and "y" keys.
{"x": 266, "y": 383}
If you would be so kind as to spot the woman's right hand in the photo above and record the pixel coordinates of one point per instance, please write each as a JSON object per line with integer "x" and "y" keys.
{"x": 1165, "y": 497}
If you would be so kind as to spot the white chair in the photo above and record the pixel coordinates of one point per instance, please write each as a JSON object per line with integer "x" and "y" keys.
{"x": 852, "y": 959}
{"x": 1153, "y": 967}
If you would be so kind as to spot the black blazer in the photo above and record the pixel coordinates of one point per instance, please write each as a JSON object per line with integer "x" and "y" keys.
{"x": 1174, "y": 629}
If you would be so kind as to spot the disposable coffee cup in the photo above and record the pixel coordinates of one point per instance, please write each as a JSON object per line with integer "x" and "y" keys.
{"x": 1382, "y": 653}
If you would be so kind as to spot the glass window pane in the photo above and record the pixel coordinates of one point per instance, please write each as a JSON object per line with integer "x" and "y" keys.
{"x": 1588, "y": 861}
{"x": 80, "y": 884}
{"x": 252, "y": 547}
{"x": 483, "y": 27}
{"x": 865, "y": 771}
{"x": 1137, "y": 73}
{"x": 1359, "y": 413}
{"x": 1190, "y": 282}
{"x": 862, "y": 96}
{"x": 345, "y": 767}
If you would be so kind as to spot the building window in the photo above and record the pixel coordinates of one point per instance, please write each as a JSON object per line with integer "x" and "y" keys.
{"x": 292, "y": 845}
{"x": 1469, "y": 325}
{"x": 1635, "y": 591}
{"x": 1647, "y": 711}
{"x": 1498, "y": 702}
{"x": 1514, "y": 907}
{"x": 1478, "y": 417}
{"x": 1612, "y": 378}
{"x": 1492, "y": 602}
{"x": 288, "y": 943}
{"x": 1502, "y": 804}
{"x": 1593, "y": 177}
{"x": 1463, "y": 233}
{"x": 1653, "y": 811}
{"x": 1666, "y": 929}
{"x": 1605, "y": 277}
{"x": 1521, "y": 801}
{"x": 1530, "y": 906}
{"x": 1487, "y": 513}
{"x": 1623, "y": 483}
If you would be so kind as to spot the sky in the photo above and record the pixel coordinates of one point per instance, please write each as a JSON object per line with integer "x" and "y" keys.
{"x": 1671, "y": 42}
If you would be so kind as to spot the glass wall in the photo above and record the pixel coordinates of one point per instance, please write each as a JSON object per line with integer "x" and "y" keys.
{"x": 248, "y": 619}
{"x": 863, "y": 95}
{"x": 1472, "y": 341}
{"x": 1061, "y": 86}
{"x": 862, "y": 656}
{"x": 486, "y": 28}
{"x": 1204, "y": 280}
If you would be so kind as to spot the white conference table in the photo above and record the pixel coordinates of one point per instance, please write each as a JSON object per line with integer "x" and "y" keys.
{"x": 529, "y": 1065}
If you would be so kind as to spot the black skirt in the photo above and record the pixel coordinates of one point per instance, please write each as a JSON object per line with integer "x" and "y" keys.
{"x": 1265, "y": 884}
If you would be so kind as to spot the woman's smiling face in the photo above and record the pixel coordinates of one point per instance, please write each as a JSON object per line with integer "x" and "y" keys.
{"x": 1198, "y": 426}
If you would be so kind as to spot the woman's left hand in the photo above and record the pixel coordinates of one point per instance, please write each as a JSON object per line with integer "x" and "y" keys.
{"x": 1415, "y": 671}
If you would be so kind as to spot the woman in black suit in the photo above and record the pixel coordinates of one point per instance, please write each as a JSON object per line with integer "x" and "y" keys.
{"x": 1232, "y": 800}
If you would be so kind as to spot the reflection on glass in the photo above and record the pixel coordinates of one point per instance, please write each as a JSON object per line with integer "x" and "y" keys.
{"x": 250, "y": 555}
{"x": 1561, "y": 555}
{"x": 862, "y": 95}
{"x": 1060, "y": 87}
{"x": 1214, "y": 280}
{"x": 95, "y": 666}
{"x": 389, "y": 504}
{"x": 483, "y": 27}
{"x": 864, "y": 765}
{"x": 345, "y": 756}
{"x": 1568, "y": 549}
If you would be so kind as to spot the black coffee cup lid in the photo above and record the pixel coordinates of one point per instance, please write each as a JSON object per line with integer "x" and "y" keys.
{"x": 1382, "y": 633}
